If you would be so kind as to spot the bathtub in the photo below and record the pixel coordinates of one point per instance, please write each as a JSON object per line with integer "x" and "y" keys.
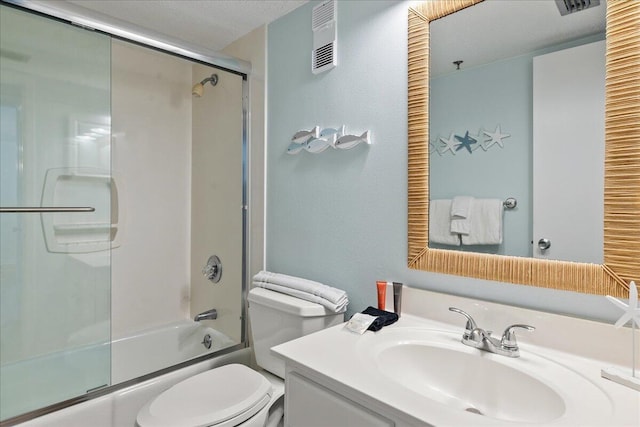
{"x": 131, "y": 357}
{"x": 155, "y": 349}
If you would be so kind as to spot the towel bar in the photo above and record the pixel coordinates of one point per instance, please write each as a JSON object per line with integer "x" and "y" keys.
{"x": 52, "y": 209}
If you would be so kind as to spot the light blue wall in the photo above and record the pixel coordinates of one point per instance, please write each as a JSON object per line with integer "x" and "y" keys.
{"x": 483, "y": 98}
{"x": 339, "y": 217}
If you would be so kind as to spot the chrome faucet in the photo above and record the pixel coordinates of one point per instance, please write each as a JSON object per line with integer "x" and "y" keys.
{"x": 479, "y": 338}
{"x": 206, "y": 315}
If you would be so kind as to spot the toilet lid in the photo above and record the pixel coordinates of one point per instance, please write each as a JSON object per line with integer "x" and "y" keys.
{"x": 209, "y": 398}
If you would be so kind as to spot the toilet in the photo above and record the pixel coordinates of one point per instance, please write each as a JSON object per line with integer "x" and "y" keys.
{"x": 236, "y": 395}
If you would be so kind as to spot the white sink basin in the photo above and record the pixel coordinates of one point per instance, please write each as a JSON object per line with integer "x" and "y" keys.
{"x": 437, "y": 366}
{"x": 471, "y": 382}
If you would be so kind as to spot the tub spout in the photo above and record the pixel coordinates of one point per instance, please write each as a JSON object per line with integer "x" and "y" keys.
{"x": 206, "y": 315}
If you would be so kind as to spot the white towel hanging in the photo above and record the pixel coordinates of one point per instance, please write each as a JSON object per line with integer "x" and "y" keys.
{"x": 440, "y": 223}
{"x": 486, "y": 223}
{"x": 461, "y": 211}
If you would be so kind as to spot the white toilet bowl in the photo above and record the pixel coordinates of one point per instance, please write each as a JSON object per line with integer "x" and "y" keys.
{"x": 235, "y": 395}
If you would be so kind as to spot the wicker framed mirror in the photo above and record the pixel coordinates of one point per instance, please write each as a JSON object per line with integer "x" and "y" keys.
{"x": 622, "y": 168}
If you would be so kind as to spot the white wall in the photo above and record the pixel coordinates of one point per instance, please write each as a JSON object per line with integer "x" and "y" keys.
{"x": 151, "y": 151}
{"x": 216, "y": 214}
{"x": 179, "y": 160}
{"x": 340, "y": 217}
{"x": 216, "y": 199}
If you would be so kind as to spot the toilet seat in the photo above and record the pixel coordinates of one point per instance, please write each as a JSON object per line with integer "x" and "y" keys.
{"x": 221, "y": 397}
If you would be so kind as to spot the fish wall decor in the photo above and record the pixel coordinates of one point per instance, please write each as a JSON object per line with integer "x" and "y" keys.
{"x": 316, "y": 140}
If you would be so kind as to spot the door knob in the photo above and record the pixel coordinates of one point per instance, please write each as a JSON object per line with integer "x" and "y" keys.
{"x": 544, "y": 244}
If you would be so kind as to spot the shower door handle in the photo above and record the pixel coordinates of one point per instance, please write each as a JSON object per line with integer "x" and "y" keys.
{"x": 52, "y": 209}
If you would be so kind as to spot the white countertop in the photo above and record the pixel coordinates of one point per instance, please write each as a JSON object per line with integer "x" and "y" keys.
{"x": 338, "y": 358}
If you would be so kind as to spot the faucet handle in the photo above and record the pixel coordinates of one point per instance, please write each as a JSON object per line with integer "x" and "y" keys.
{"x": 471, "y": 324}
{"x": 508, "y": 341}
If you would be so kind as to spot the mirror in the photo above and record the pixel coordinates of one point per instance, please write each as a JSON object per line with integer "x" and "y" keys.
{"x": 525, "y": 103}
{"x": 622, "y": 169}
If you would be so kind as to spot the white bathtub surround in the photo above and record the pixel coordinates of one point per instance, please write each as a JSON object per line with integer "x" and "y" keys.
{"x": 63, "y": 375}
{"x": 151, "y": 116}
{"x": 132, "y": 357}
{"x": 216, "y": 225}
{"x": 557, "y": 373}
{"x": 155, "y": 349}
{"x": 121, "y": 407}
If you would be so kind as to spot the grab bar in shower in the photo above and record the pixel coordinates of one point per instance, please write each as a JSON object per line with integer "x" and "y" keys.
{"x": 52, "y": 209}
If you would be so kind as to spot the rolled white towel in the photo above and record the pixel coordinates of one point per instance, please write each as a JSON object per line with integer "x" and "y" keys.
{"x": 339, "y": 307}
{"x": 336, "y": 297}
{"x": 315, "y": 288}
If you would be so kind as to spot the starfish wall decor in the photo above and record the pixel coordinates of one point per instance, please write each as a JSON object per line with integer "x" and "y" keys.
{"x": 470, "y": 142}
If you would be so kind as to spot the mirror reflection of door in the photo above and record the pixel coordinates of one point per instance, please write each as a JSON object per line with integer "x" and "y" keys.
{"x": 568, "y": 153}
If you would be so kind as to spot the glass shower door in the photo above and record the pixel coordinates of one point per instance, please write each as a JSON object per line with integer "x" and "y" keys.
{"x": 55, "y": 151}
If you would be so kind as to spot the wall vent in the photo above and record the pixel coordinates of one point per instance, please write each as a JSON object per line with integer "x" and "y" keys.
{"x": 323, "y": 14}
{"x": 569, "y": 6}
{"x": 324, "y": 24}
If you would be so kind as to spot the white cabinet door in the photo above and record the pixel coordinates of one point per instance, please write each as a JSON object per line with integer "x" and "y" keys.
{"x": 308, "y": 404}
{"x": 568, "y": 153}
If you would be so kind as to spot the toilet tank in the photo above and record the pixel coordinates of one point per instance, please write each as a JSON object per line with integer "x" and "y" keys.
{"x": 276, "y": 318}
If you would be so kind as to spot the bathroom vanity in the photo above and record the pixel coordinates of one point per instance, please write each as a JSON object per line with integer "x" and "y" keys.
{"x": 418, "y": 372}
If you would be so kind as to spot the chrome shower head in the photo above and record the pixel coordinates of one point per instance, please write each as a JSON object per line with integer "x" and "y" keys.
{"x": 198, "y": 88}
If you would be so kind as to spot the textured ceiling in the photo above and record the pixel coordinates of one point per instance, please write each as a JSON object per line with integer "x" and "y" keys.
{"x": 213, "y": 24}
{"x": 487, "y": 32}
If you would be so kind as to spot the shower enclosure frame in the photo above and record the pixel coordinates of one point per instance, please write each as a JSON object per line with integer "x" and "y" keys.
{"x": 75, "y": 15}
